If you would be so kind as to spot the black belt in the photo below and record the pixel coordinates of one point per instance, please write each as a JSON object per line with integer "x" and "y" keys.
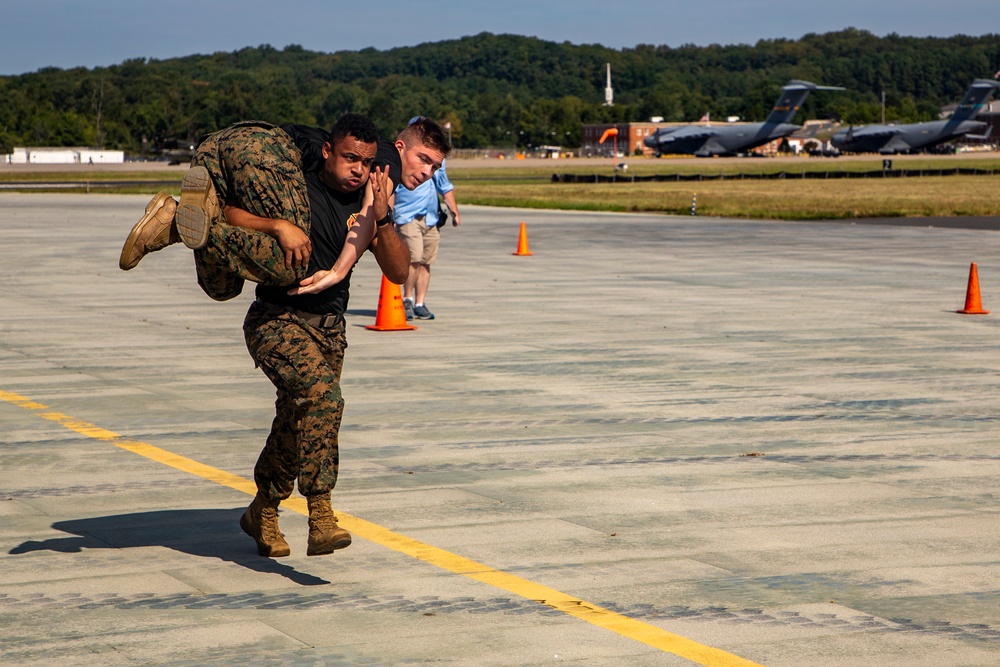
{"x": 328, "y": 321}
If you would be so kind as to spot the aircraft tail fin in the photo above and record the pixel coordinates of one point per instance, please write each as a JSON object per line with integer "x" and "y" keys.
{"x": 975, "y": 96}
{"x": 793, "y": 94}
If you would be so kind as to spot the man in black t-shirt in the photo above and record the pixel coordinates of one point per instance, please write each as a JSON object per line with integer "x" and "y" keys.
{"x": 297, "y": 337}
{"x": 292, "y": 211}
{"x": 296, "y": 334}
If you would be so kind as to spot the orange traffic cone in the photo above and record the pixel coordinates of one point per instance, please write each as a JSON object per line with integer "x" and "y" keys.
{"x": 390, "y": 315}
{"x": 973, "y": 302}
{"x": 522, "y": 242}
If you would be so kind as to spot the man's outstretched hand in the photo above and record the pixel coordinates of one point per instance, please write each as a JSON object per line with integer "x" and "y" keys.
{"x": 317, "y": 282}
{"x": 381, "y": 191}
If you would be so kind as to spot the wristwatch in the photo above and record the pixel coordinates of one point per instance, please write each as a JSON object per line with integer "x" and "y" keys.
{"x": 385, "y": 220}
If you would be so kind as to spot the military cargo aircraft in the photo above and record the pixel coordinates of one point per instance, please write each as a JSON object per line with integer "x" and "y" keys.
{"x": 909, "y": 137}
{"x": 706, "y": 141}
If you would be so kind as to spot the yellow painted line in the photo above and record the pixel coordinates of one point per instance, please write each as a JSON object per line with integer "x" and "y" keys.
{"x": 21, "y": 401}
{"x": 591, "y": 613}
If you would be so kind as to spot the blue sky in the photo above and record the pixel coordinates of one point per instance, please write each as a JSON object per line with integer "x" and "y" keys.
{"x": 73, "y": 33}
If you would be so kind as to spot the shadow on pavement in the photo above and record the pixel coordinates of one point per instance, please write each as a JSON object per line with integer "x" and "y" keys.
{"x": 207, "y": 533}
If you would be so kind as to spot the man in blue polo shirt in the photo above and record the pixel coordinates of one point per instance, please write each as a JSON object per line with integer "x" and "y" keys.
{"x": 418, "y": 222}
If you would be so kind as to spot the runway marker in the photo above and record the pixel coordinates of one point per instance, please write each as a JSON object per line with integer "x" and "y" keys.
{"x": 603, "y": 618}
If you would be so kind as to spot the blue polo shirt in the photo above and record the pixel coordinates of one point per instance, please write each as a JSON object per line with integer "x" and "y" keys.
{"x": 423, "y": 200}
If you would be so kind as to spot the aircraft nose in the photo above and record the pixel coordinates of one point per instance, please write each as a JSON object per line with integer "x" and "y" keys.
{"x": 650, "y": 141}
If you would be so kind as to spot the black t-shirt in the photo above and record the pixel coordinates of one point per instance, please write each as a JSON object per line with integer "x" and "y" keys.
{"x": 331, "y": 214}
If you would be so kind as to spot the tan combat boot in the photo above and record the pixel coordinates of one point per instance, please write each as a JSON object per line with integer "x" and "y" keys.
{"x": 198, "y": 205}
{"x": 154, "y": 231}
{"x": 260, "y": 522}
{"x": 325, "y": 536}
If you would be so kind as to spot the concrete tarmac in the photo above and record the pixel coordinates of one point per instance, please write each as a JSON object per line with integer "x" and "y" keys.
{"x": 657, "y": 441}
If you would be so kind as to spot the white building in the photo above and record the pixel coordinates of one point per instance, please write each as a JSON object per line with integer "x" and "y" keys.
{"x": 38, "y": 155}
{"x": 100, "y": 156}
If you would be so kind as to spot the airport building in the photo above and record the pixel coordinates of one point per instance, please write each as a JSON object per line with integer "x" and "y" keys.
{"x": 989, "y": 114}
{"x": 22, "y": 155}
{"x": 629, "y": 140}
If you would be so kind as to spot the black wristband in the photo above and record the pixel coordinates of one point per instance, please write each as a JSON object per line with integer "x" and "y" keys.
{"x": 385, "y": 220}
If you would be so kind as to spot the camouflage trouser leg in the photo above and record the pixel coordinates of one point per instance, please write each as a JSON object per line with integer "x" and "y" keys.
{"x": 304, "y": 364}
{"x": 256, "y": 167}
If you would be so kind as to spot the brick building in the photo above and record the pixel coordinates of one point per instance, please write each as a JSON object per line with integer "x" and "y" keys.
{"x": 630, "y": 138}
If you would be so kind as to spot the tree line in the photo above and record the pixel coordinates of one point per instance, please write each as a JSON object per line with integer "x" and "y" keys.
{"x": 494, "y": 90}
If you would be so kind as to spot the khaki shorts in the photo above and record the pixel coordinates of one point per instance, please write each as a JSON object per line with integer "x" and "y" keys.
{"x": 422, "y": 241}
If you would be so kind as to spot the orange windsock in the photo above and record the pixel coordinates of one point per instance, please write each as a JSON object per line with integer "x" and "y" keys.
{"x": 390, "y": 315}
{"x": 522, "y": 242}
{"x": 973, "y": 302}
{"x": 610, "y": 132}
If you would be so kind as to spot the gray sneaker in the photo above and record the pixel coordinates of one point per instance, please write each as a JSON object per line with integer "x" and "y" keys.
{"x": 421, "y": 313}
{"x": 408, "y": 308}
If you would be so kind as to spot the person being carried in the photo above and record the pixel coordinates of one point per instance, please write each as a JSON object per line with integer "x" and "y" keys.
{"x": 251, "y": 185}
{"x": 257, "y": 168}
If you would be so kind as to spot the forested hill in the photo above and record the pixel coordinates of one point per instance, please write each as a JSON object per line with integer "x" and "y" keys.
{"x": 497, "y": 90}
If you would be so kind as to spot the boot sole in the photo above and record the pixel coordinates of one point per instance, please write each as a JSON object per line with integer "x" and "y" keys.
{"x": 152, "y": 208}
{"x": 263, "y": 549}
{"x": 342, "y": 543}
{"x": 194, "y": 210}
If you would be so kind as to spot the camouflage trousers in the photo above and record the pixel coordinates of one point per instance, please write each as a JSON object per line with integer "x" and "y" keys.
{"x": 257, "y": 167}
{"x": 304, "y": 364}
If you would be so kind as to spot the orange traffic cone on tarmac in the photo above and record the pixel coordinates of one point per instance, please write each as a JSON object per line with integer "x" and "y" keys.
{"x": 522, "y": 242}
{"x": 973, "y": 302}
{"x": 390, "y": 315}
